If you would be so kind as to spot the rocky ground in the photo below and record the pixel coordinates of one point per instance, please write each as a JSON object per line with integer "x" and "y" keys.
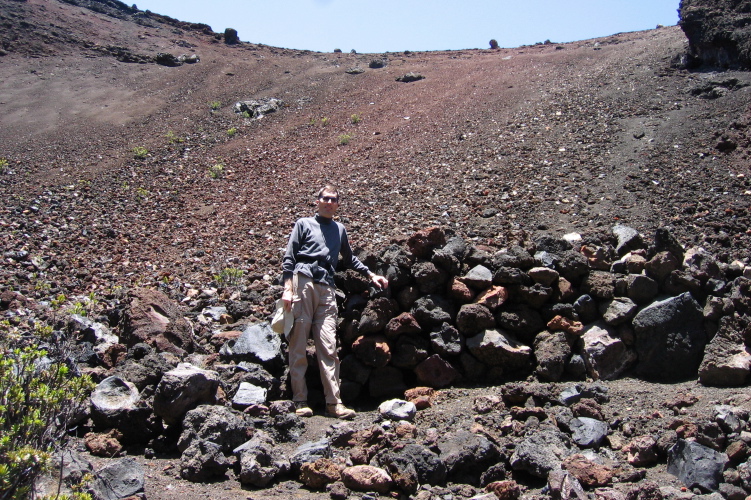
{"x": 109, "y": 174}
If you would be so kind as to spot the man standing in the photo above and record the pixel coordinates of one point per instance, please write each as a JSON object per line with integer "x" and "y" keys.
{"x": 308, "y": 271}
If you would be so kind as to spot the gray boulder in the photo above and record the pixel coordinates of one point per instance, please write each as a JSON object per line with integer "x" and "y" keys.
{"x": 670, "y": 339}
{"x": 586, "y": 307}
{"x": 428, "y": 277}
{"x": 98, "y": 334}
{"x": 221, "y": 425}
{"x": 605, "y": 355}
{"x": 202, "y": 461}
{"x": 618, "y": 310}
{"x": 564, "y": 486}
{"x": 552, "y": 351}
{"x": 543, "y": 275}
{"x": 628, "y": 239}
{"x": 446, "y": 340}
{"x": 310, "y": 452}
{"x": 479, "y": 278}
{"x": 641, "y": 288}
{"x": 432, "y": 310}
{"x": 118, "y": 480}
{"x": 697, "y": 466}
{"x": 451, "y": 255}
{"x": 248, "y": 395}
{"x": 397, "y": 409}
{"x": 145, "y": 371}
{"x": 257, "y": 343}
{"x": 466, "y": 456}
{"x": 727, "y": 360}
{"x": 497, "y": 348}
{"x": 541, "y": 452}
{"x": 411, "y": 466}
{"x": 260, "y": 462}
{"x": 588, "y": 432}
{"x": 112, "y": 396}
{"x": 572, "y": 266}
{"x": 257, "y": 108}
{"x": 182, "y": 389}
{"x": 514, "y": 256}
{"x": 522, "y": 321}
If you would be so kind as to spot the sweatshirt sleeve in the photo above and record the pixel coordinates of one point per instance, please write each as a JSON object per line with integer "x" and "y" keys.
{"x": 348, "y": 258}
{"x": 290, "y": 256}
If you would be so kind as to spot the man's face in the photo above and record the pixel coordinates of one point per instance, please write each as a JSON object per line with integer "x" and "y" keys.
{"x": 327, "y": 204}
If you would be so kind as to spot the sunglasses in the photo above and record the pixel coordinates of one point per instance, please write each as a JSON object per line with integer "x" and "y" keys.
{"x": 329, "y": 199}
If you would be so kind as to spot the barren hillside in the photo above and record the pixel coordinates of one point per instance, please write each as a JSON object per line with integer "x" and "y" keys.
{"x": 555, "y": 137}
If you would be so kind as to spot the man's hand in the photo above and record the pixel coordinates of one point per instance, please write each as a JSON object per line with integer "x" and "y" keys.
{"x": 287, "y": 295}
{"x": 380, "y": 281}
{"x": 287, "y": 300}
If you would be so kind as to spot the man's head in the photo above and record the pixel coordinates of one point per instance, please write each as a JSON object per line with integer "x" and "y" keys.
{"x": 328, "y": 201}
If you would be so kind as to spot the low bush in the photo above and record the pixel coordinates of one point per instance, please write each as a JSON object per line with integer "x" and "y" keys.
{"x": 38, "y": 396}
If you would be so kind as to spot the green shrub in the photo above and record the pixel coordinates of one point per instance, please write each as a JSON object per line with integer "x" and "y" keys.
{"x": 229, "y": 276}
{"x": 232, "y": 131}
{"x": 140, "y": 152}
{"x": 216, "y": 171}
{"x": 173, "y": 138}
{"x": 324, "y": 121}
{"x": 3, "y": 165}
{"x": 355, "y": 119}
{"x": 214, "y": 105}
{"x": 344, "y": 139}
{"x": 38, "y": 395}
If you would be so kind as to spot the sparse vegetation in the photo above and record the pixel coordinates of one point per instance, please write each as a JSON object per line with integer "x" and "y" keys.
{"x": 3, "y": 165}
{"x": 214, "y": 105}
{"x": 229, "y": 276}
{"x": 140, "y": 152}
{"x": 142, "y": 193}
{"x": 355, "y": 119}
{"x": 344, "y": 139}
{"x": 58, "y": 301}
{"x": 232, "y": 131}
{"x": 216, "y": 171}
{"x": 324, "y": 121}
{"x": 38, "y": 395}
{"x": 173, "y": 138}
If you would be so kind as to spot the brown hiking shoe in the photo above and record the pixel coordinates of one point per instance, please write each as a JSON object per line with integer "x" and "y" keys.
{"x": 302, "y": 409}
{"x": 339, "y": 411}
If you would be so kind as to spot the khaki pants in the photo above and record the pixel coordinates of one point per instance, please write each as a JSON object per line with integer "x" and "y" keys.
{"x": 314, "y": 308}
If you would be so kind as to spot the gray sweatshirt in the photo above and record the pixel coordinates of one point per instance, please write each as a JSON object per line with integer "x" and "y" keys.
{"x": 314, "y": 247}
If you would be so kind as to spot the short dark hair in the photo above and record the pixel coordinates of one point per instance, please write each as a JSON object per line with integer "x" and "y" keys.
{"x": 330, "y": 188}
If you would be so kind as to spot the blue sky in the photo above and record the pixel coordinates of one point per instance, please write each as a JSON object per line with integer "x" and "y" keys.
{"x": 396, "y": 25}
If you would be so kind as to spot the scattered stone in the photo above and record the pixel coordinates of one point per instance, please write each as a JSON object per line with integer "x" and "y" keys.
{"x": 696, "y": 465}
{"x": 367, "y": 478}
{"x": 118, "y": 480}
{"x": 396, "y": 409}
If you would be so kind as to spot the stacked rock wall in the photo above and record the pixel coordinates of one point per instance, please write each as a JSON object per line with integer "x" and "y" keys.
{"x": 559, "y": 309}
